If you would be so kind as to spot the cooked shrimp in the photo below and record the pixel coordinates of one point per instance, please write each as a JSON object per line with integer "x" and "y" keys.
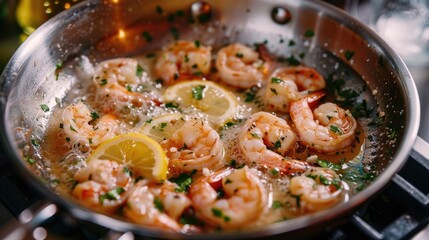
{"x": 195, "y": 145}
{"x": 244, "y": 199}
{"x": 115, "y": 82}
{"x": 265, "y": 139}
{"x": 157, "y": 205}
{"x": 328, "y": 129}
{"x": 183, "y": 58}
{"x": 290, "y": 84}
{"x": 240, "y": 66}
{"x": 103, "y": 185}
{"x": 317, "y": 189}
{"x": 82, "y": 127}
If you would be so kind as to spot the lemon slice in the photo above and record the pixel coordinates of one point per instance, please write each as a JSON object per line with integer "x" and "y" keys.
{"x": 162, "y": 127}
{"x": 218, "y": 103}
{"x": 142, "y": 154}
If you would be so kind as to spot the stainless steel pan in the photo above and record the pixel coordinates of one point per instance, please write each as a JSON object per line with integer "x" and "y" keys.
{"x": 330, "y": 39}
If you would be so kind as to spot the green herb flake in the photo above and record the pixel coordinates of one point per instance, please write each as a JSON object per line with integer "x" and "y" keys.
{"x": 129, "y": 88}
{"x": 277, "y": 144}
{"x": 298, "y": 200}
{"x": 239, "y": 55}
{"x": 61, "y": 125}
{"x": 183, "y": 181}
{"x": 325, "y": 164}
{"x": 175, "y": 33}
{"x": 59, "y": 65}
{"x": 276, "y": 205}
{"x": 249, "y": 96}
{"x": 90, "y": 141}
{"x": 30, "y": 160}
{"x": 276, "y": 80}
{"x": 184, "y": 147}
{"x": 35, "y": 142}
{"x": 335, "y": 129}
{"x": 324, "y": 180}
{"x": 67, "y": 139}
{"x": 112, "y": 194}
{"x": 197, "y": 43}
{"x": 274, "y": 172}
{"x": 220, "y": 194}
{"x": 293, "y": 61}
{"x": 217, "y": 212}
{"x": 159, "y": 9}
{"x": 171, "y": 105}
{"x": 72, "y": 128}
{"x": 197, "y": 92}
{"x": 309, "y": 33}
{"x": 44, "y": 107}
{"x": 149, "y": 120}
{"x": 255, "y": 135}
{"x": 139, "y": 71}
{"x": 186, "y": 58}
{"x": 228, "y": 181}
{"x": 94, "y": 116}
{"x": 146, "y": 35}
{"x": 162, "y": 126}
{"x": 291, "y": 43}
{"x": 103, "y": 82}
{"x": 349, "y": 55}
{"x": 273, "y": 90}
{"x": 158, "y": 204}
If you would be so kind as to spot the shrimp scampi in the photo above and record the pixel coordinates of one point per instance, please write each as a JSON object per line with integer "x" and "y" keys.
{"x": 117, "y": 86}
{"x": 290, "y": 84}
{"x": 183, "y": 60}
{"x": 240, "y": 66}
{"x": 85, "y": 128}
{"x": 102, "y": 185}
{"x": 327, "y": 129}
{"x": 265, "y": 140}
{"x": 317, "y": 189}
{"x": 195, "y": 145}
{"x": 243, "y": 197}
{"x": 157, "y": 205}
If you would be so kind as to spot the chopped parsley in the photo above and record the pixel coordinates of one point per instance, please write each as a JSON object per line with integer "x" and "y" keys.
{"x": 277, "y": 144}
{"x": 149, "y": 120}
{"x": 349, "y": 55}
{"x": 309, "y": 33}
{"x": 255, "y": 135}
{"x": 276, "y": 205}
{"x": 274, "y": 172}
{"x": 171, "y": 105}
{"x": 72, "y": 128}
{"x": 291, "y": 43}
{"x": 94, "y": 116}
{"x": 44, "y": 107}
{"x": 129, "y": 88}
{"x": 197, "y": 43}
{"x": 324, "y": 180}
{"x": 249, "y": 96}
{"x": 103, "y": 82}
{"x": 35, "y": 142}
{"x": 159, "y": 9}
{"x": 175, "y": 33}
{"x": 112, "y": 194}
{"x": 186, "y": 58}
{"x": 326, "y": 164}
{"x": 273, "y": 90}
{"x": 30, "y": 160}
{"x": 228, "y": 181}
{"x": 162, "y": 126}
{"x": 183, "y": 181}
{"x": 298, "y": 200}
{"x": 239, "y": 55}
{"x": 158, "y": 204}
{"x": 184, "y": 147}
{"x": 335, "y": 129}
{"x": 218, "y": 213}
{"x": 146, "y": 35}
{"x": 276, "y": 80}
{"x": 139, "y": 70}
{"x": 197, "y": 92}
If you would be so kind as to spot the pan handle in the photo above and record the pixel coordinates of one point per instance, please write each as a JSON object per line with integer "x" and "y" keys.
{"x": 28, "y": 220}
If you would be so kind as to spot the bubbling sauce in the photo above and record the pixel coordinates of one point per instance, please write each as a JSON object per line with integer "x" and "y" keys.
{"x": 132, "y": 90}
